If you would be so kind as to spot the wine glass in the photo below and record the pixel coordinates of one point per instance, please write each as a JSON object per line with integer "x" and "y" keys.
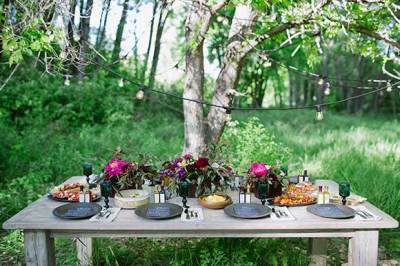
{"x": 184, "y": 191}
{"x": 344, "y": 191}
{"x": 105, "y": 189}
{"x": 87, "y": 171}
{"x": 262, "y": 191}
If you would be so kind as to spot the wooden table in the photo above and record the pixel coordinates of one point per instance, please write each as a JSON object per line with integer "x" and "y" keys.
{"x": 40, "y": 228}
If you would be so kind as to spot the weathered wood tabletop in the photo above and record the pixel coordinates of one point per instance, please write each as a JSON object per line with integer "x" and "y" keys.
{"x": 41, "y": 226}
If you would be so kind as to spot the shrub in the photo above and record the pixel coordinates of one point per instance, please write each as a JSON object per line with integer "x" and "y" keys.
{"x": 250, "y": 141}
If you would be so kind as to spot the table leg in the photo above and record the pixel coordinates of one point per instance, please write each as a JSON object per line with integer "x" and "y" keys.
{"x": 84, "y": 248}
{"x": 39, "y": 248}
{"x": 363, "y": 248}
{"x": 317, "y": 249}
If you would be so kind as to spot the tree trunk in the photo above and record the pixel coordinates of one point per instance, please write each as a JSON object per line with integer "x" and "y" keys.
{"x": 157, "y": 46}
{"x": 147, "y": 55}
{"x": 193, "y": 88}
{"x": 103, "y": 23}
{"x": 84, "y": 26}
{"x": 120, "y": 32}
{"x": 230, "y": 71}
{"x": 2, "y": 23}
{"x": 305, "y": 92}
{"x": 71, "y": 57}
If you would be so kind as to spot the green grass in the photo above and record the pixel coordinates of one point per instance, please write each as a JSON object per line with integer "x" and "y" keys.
{"x": 364, "y": 150}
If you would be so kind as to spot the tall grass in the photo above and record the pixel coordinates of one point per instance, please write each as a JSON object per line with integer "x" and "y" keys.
{"x": 363, "y": 150}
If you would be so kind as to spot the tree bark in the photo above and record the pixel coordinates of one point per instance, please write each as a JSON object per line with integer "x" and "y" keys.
{"x": 84, "y": 27}
{"x": 147, "y": 55}
{"x": 103, "y": 23}
{"x": 157, "y": 46}
{"x": 120, "y": 32}
{"x": 230, "y": 71}
{"x": 197, "y": 23}
{"x": 2, "y": 23}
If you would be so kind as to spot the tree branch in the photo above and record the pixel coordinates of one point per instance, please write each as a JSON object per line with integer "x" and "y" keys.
{"x": 283, "y": 27}
{"x": 219, "y": 5}
{"x": 376, "y": 35}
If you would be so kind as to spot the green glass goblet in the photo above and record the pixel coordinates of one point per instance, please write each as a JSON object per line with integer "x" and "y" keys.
{"x": 106, "y": 191}
{"x": 344, "y": 191}
{"x": 87, "y": 171}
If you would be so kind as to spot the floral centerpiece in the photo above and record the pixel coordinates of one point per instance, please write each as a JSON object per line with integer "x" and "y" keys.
{"x": 203, "y": 176}
{"x": 128, "y": 175}
{"x": 272, "y": 174}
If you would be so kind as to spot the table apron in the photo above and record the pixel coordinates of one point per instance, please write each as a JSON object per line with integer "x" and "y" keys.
{"x": 205, "y": 233}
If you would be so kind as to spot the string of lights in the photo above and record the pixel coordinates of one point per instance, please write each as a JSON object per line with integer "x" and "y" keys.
{"x": 228, "y": 109}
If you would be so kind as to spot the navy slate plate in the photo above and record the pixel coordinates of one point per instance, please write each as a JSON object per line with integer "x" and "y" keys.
{"x": 75, "y": 211}
{"x": 331, "y": 211}
{"x": 247, "y": 210}
{"x": 159, "y": 211}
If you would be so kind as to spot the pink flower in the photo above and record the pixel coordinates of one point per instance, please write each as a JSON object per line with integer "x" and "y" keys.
{"x": 258, "y": 169}
{"x": 115, "y": 167}
{"x": 187, "y": 156}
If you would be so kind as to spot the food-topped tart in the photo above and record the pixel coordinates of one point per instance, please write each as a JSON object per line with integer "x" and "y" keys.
{"x": 70, "y": 192}
{"x": 303, "y": 187}
{"x": 294, "y": 199}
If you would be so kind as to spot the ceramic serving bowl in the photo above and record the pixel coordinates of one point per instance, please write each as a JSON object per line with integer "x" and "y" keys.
{"x": 214, "y": 201}
{"x": 131, "y": 198}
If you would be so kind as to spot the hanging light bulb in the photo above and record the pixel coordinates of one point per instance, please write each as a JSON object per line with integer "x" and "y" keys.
{"x": 121, "y": 82}
{"x": 389, "y": 87}
{"x": 319, "y": 115}
{"x": 140, "y": 93}
{"x": 228, "y": 112}
{"x": 67, "y": 81}
{"x": 327, "y": 90}
{"x": 321, "y": 81}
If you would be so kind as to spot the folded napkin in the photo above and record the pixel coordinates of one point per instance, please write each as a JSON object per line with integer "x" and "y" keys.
{"x": 365, "y": 214}
{"x": 106, "y": 216}
{"x": 280, "y": 211}
{"x": 200, "y": 215}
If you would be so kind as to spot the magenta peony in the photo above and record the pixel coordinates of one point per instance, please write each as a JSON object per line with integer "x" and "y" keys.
{"x": 258, "y": 169}
{"x": 115, "y": 167}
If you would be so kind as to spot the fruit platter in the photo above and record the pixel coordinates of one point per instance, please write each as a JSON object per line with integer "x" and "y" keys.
{"x": 70, "y": 193}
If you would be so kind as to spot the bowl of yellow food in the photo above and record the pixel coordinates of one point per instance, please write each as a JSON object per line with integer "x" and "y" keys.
{"x": 131, "y": 198}
{"x": 214, "y": 201}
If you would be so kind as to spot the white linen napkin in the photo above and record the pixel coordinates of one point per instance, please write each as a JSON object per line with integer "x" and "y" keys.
{"x": 108, "y": 217}
{"x": 284, "y": 210}
{"x": 365, "y": 210}
{"x": 200, "y": 215}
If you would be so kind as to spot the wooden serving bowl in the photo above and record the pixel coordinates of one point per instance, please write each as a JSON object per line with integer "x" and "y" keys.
{"x": 214, "y": 204}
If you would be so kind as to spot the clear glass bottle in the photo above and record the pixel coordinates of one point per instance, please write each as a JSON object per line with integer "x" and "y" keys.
{"x": 327, "y": 195}
{"x": 81, "y": 194}
{"x": 241, "y": 194}
{"x": 305, "y": 176}
{"x": 300, "y": 178}
{"x": 157, "y": 194}
{"x": 320, "y": 196}
{"x": 248, "y": 195}
{"x": 162, "y": 194}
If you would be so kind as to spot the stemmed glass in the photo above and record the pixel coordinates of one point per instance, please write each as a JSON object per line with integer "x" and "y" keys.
{"x": 87, "y": 171}
{"x": 105, "y": 189}
{"x": 344, "y": 191}
{"x": 262, "y": 191}
{"x": 184, "y": 191}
